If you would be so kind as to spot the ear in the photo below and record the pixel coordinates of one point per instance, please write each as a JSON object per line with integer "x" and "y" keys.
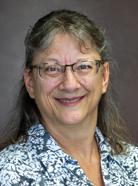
{"x": 105, "y": 74}
{"x": 29, "y": 82}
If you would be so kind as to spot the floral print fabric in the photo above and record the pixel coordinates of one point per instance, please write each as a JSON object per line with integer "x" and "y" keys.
{"x": 41, "y": 162}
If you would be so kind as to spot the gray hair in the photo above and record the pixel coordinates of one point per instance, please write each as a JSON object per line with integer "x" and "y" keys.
{"x": 39, "y": 37}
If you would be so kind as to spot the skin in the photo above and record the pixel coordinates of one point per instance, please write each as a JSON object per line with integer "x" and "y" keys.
{"x": 72, "y": 123}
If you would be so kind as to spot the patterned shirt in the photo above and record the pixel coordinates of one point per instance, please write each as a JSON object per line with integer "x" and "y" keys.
{"x": 41, "y": 162}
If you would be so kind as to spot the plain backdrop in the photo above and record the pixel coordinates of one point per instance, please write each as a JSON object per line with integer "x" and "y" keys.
{"x": 119, "y": 19}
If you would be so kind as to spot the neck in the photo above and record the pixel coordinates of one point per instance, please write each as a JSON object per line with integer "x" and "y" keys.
{"x": 76, "y": 140}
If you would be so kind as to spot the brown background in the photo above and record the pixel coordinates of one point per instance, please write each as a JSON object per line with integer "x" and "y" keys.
{"x": 118, "y": 17}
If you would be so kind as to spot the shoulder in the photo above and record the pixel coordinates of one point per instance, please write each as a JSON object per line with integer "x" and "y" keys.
{"x": 30, "y": 161}
{"x": 16, "y": 154}
{"x": 129, "y": 163}
{"x": 132, "y": 150}
{"x": 10, "y": 152}
{"x": 130, "y": 158}
{"x": 131, "y": 154}
{"x": 17, "y": 161}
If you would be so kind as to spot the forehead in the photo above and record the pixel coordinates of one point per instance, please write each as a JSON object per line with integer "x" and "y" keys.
{"x": 69, "y": 47}
{"x": 65, "y": 39}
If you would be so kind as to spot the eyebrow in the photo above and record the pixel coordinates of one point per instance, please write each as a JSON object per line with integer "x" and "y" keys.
{"x": 58, "y": 62}
{"x": 83, "y": 59}
{"x": 50, "y": 59}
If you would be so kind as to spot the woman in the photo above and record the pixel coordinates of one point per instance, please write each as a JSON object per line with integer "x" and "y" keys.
{"x": 67, "y": 129}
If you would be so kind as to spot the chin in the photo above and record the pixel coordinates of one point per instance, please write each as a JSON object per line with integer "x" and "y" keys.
{"x": 71, "y": 120}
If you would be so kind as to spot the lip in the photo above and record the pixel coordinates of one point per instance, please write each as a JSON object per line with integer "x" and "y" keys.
{"x": 73, "y": 101}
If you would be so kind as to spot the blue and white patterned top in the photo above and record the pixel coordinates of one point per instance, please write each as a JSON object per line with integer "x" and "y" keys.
{"x": 41, "y": 162}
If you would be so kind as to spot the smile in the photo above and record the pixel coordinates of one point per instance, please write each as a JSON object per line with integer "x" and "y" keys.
{"x": 70, "y": 101}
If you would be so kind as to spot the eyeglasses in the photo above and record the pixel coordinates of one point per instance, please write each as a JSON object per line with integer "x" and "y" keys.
{"x": 55, "y": 70}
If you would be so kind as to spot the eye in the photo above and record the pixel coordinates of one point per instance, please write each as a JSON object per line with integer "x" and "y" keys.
{"x": 52, "y": 69}
{"x": 85, "y": 66}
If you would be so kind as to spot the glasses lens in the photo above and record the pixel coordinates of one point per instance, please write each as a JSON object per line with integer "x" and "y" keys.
{"x": 85, "y": 67}
{"x": 50, "y": 70}
{"x": 56, "y": 70}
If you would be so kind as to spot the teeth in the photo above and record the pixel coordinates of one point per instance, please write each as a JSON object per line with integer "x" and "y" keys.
{"x": 70, "y": 100}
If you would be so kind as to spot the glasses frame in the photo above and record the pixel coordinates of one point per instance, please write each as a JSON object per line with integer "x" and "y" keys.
{"x": 98, "y": 63}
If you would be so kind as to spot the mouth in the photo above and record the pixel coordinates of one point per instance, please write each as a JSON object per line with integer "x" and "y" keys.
{"x": 70, "y": 101}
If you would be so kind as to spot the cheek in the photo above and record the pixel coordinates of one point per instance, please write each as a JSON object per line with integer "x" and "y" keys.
{"x": 94, "y": 87}
{"x": 43, "y": 98}
{"x": 43, "y": 94}
{"x": 45, "y": 87}
{"x": 90, "y": 83}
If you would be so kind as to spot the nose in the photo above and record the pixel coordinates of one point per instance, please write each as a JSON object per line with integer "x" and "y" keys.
{"x": 69, "y": 82}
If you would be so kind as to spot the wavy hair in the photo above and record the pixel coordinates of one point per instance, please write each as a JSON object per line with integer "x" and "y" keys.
{"x": 40, "y": 36}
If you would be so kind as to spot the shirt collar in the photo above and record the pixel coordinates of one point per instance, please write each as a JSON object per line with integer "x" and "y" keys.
{"x": 41, "y": 138}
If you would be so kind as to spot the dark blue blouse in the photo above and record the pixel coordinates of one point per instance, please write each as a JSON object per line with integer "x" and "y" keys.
{"x": 41, "y": 162}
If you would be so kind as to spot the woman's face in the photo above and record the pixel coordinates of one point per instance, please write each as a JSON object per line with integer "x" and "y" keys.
{"x": 69, "y": 100}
